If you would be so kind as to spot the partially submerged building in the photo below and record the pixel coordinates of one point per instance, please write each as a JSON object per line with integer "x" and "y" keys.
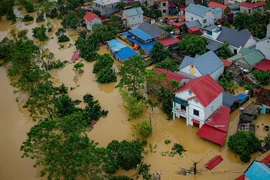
{"x": 230, "y": 101}
{"x": 264, "y": 99}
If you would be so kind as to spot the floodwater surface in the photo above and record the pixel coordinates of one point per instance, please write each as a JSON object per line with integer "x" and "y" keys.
{"x": 15, "y": 123}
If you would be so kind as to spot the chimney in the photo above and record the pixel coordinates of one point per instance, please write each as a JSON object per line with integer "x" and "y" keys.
{"x": 241, "y": 110}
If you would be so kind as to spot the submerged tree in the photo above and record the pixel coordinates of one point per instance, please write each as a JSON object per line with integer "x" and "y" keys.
{"x": 143, "y": 129}
{"x": 133, "y": 74}
{"x": 159, "y": 53}
{"x": 225, "y": 52}
{"x": 40, "y": 33}
{"x": 168, "y": 64}
{"x": 63, "y": 150}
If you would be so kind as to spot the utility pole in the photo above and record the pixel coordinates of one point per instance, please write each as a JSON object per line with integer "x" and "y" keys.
{"x": 195, "y": 167}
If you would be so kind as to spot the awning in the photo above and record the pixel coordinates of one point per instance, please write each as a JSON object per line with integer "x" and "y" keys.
{"x": 195, "y": 121}
{"x": 212, "y": 134}
{"x": 180, "y": 101}
{"x": 214, "y": 162}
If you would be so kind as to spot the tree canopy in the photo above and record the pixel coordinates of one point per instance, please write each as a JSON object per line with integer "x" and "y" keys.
{"x": 133, "y": 74}
{"x": 225, "y": 52}
{"x": 159, "y": 53}
{"x": 168, "y": 64}
{"x": 6, "y": 8}
{"x": 244, "y": 143}
{"x": 193, "y": 44}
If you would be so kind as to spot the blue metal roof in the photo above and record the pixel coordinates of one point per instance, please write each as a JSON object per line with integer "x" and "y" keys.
{"x": 115, "y": 45}
{"x": 133, "y": 11}
{"x": 197, "y": 9}
{"x": 258, "y": 171}
{"x": 206, "y": 63}
{"x": 228, "y": 99}
{"x": 147, "y": 46}
{"x": 125, "y": 53}
{"x": 243, "y": 98}
{"x": 193, "y": 24}
{"x": 141, "y": 34}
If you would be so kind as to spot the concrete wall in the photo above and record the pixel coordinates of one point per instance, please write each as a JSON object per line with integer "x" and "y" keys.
{"x": 107, "y": 10}
{"x": 215, "y": 75}
{"x": 251, "y": 42}
{"x": 187, "y": 71}
{"x": 213, "y": 106}
{"x": 133, "y": 21}
{"x": 250, "y": 11}
{"x": 207, "y": 20}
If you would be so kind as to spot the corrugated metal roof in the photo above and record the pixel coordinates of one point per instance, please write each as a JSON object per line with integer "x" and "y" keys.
{"x": 258, "y": 171}
{"x": 197, "y": 9}
{"x": 229, "y": 99}
{"x": 151, "y": 29}
{"x": 106, "y": 2}
{"x": 213, "y": 45}
{"x": 141, "y": 34}
{"x": 234, "y": 37}
{"x": 133, "y": 11}
{"x": 206, "y": 63}
{"x": 193, "y": 24}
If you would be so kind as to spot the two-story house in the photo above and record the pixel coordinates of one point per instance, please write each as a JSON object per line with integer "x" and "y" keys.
{"x": 163, "y": 5}
{"x": 106, "y": 7}
{"x": 201, "y": 13}
{"x": 133, "y": 17}
{"x": 225, "y": 9}
{"x": 250, "y": 8}
{"x": 208, "y": 63}
{"x": 91, "y": 19}
{"x": 234, "y": 38}
{"x": 200, "y": 103}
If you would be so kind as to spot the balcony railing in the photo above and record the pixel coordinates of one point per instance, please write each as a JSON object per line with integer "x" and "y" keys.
{"x": 181, "y": 112}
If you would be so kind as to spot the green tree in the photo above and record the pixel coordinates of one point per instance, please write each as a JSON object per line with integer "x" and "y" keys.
{"x": 27, "y": 18}
{"x": 267, "y": 139}
{"x": 102, "y": 62}
{"x": 193, "y": 44}
{"x": 133, "y": 74}
{"x": 128, "y": 154}
{"x": 40, "y": 33}
{"x": 71, "y": 20}
{"x": 106, "y": 75}
{"x": 244, "y": 142}
{"x": 241, "y": 21}
{"x": 135, "y": 106}
{"x": 29, "y": 7}
{"x": 262, "y": 76}
{"x": 168, "y": 64}
{"x": 225, "y": 52}
{"x": 227, "y": 82}
{"x": 143, "y": 129}
{"x": 6, "y": 8}
{"x": 63, "y": 150}
{"x": 159, "y": 53}
{"x": 120, "y": 178}
{"x": 105, "y": 33}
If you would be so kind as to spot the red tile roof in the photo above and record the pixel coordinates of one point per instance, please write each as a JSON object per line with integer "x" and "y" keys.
{"x": 205, "y": 88}
{"x": 266, "y": 160}
{"x": 226, "y": 62}
{"x": 171, "y": 75}
{"x": 169, "y": 41}
{"x": 217, "y": 5}
{"x": 214, "y": 162}
{"x": 193, "y": 29}
{"x": 263, "y": 66}
{"x": 253, "y": 5}
{"x": 75, "y": 56}
{"x": 215, "y": 129}
{"x": 91, "y": 16}
{"x": 264, "y": 97}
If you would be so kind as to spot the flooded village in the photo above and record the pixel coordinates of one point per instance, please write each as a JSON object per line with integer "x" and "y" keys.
{"x": 246, "y": 107}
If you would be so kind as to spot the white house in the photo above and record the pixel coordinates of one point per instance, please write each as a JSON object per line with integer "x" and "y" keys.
{"x": 200, "y": 13}
{"x": 133, "y": 17}
{"x": 250, "y": 8}
{"x": 91, "y": 19}
{"x": 197, "y": 100}
{"x": 106, "y": 7}
{"x": 234, "y": 38}
{"x": 208, "y": 63}
{"x": 264, "y": 46}
{"x": 162, "y": 5}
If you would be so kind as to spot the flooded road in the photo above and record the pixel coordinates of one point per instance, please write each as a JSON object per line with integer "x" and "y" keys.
{"x": 15, "y": 123}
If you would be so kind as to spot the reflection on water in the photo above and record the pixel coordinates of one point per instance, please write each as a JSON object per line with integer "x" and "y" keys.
{"x": 15, "y": 123}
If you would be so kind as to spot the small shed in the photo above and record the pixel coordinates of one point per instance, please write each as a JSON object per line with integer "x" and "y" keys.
{"x": 230, "y": 101}
{"x": 235, "y": 71}
{"x": 243, "y": 98}
{"x": 242, "y": 126}
{"x": 250, "y": 112}
{"x": 250, "y": 78}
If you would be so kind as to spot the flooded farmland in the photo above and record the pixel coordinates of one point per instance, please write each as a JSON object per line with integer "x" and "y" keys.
{"x": 15, "y": 123}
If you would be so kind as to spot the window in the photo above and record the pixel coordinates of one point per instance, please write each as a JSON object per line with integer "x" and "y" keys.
{"x": 249, "y": 11}
{"x": 139, "y": 16}
{"x": 212, "y": 108}
{"x": 191, "y": 18}
{"x": 189, "y": 92}
{"x": 204, "y": 21}
{"x": 196, "y": 112}
{"x": 164, "y": 10}
{"x": 164, "y": 4}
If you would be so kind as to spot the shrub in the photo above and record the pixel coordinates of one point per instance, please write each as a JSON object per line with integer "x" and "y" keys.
{"x": 63, "y": 38}
{"x": 143, "y": 129}
{"x": 106, "y": 75}
{"x": 245, "y": 158}
{"x": 27, "y": 18}
{"x": 29, "y": 7}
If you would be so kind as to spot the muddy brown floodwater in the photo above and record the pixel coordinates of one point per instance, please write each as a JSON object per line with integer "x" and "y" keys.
{"x": 15, "y": 123}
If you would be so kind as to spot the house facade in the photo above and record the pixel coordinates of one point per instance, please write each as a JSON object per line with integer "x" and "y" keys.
{"x": 133, "y": 17}
{"x": 208, "y": 63}
{"x": 197, "y": 12}
{"x": 197, "y": 100}
{"x": 250, "y": 8}
{"x": 91, "y": 19}
{"x": 106, "y": 7}
{"x": 163, "y": 5}
{"x": 264, "y": 46}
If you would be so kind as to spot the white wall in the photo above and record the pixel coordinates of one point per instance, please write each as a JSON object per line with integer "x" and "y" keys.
{"x": 264, "y": 47}
{"x": 216, "y": 103}
{"x": 268, "y": 30}
{"x": 250, "y": 42}
{"x": 192, "y": 17}
{"x": 210, "y": 19}
{"x": 133, "y": 21}
{"x": 215, "y": 75}
{"x": 251, "y": 11}
{"x": 90, "y": 24}
{"x": 187, "y": 70}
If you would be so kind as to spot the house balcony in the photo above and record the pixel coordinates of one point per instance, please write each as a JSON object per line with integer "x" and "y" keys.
{"x": 179, "y": 112}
